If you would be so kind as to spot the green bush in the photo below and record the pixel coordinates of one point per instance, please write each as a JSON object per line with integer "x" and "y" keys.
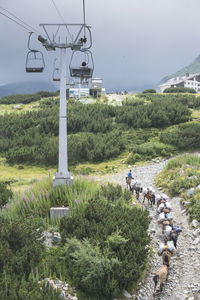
{"x": 149, "y": 150}
{"x": 132, "y": 101}
{"x": 21, "y": 250}
{"x": 133, "y": 158}
{"x": 5, "y": 193}
{"x": 190, "y": 100}
{"x": 180, "y": 174}
{"x": 115, "y": 193}
{"x": 194, "y": 206}
{"x": 185, "y": 136}
{"x": 179, "y": 90}
{"x": 157, "y": 114}
{"x": 93, "y": 272}
{"x": 26, "y": 98}
{"x": 116, "y": 243}
{"x": 149, "y": 91}
{"x": 29, "y": 289}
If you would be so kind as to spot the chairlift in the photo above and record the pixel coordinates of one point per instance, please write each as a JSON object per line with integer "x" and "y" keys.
{"x": 81, "y": 66}
{"x": 34, "y": 59}
{"x": 56, "y": 72}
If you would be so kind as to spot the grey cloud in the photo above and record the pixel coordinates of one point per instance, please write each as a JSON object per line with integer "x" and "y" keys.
{"x": 136, "y": 42}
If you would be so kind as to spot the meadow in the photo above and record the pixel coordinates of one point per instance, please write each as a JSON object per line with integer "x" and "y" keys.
{"x": 180, "y": 175}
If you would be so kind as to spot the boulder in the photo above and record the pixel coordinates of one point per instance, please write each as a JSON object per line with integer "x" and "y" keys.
{"x": 195, "y": 223}
{"x": 56, "y": 237}
{"x": 196, "y": 241}
{"x": 127, "y": 295}
{"x": 190, "y": 192}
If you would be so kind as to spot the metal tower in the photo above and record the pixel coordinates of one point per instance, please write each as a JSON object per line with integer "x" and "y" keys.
{"x": 63, "y": 39}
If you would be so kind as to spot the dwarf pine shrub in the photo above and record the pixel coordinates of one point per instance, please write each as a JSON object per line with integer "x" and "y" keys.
{"x": 115, "y": 252}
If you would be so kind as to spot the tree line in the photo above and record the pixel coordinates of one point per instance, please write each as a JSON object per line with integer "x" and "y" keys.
{"x": 95, "y": 130}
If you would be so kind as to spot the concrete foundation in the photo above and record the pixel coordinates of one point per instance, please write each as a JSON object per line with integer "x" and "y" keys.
{"x": 59, "y": 212}
{"x": 62, "y": 180}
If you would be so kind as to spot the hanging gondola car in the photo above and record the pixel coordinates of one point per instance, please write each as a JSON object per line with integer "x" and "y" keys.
{"x": 34, "y": 60}
{"x": 56, "y": 72}
{"x": 81, "y": 64}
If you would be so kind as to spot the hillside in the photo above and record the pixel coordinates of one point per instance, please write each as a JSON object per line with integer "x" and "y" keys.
{"x": 27, "y": 87}
{"x": 194, "y": 67}
{"x": 107, "y": 229}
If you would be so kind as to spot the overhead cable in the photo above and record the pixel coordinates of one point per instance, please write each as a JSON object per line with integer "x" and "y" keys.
{"x": 14, "y": 21}
{"x": 84, "y": 16}
{"x": 25, "y": 24}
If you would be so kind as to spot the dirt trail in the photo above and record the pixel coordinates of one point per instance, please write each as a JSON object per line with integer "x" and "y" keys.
{"x": 184, "y": 272}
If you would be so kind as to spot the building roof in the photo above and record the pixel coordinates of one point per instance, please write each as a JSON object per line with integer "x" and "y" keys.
{"x": 177, "y": 80}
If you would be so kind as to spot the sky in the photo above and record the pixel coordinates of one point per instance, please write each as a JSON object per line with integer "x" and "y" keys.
{"x": 135, "y": 42}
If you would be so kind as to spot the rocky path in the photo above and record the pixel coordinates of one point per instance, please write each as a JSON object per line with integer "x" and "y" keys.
{"x": 184, "y": 272}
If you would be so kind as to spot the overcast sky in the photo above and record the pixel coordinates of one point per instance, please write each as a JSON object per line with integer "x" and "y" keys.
{"x": 135, "y": 42}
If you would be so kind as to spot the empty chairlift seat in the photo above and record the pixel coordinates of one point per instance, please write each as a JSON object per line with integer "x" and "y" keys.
{"x": 34, "y": 60}
{"x": 56, "y": 72}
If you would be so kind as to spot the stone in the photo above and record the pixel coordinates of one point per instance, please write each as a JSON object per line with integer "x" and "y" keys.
{"x": 192, "y": 248}
{"x": 56, "y": 237}
{"x": 62, "y": 295}
{"x": 195, "y": 233}
{"x": 190, "y": 192}
{"x": 198, "y": 187}
{"x": 127, "y": 295}
{"x": 196, "y": 241}
{"x": 195, "y": 223}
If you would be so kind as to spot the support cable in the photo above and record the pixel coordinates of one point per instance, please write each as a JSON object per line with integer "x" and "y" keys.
{"x": 15, "y": 21}
{"x": 25, "y": 24}
{"x": 84, "y": 18}
{"x": 58, "y": 12}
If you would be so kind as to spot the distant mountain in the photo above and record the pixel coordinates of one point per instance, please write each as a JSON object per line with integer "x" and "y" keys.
{"x": 31, "y": 87}
{"x": 192, "y": 68}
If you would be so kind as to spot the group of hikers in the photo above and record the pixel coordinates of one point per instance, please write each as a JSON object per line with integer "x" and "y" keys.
{"x": 170, "y": 231}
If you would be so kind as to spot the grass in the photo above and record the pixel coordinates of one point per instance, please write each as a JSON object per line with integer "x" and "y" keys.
{"x": 8, "y": 108}
{"x": 180, "y": 174}
{"x": 196, "y": 115}
{"x": 106, "y": 167}
{"x": 38, "y": 198}
{"x": 23, "y": 175}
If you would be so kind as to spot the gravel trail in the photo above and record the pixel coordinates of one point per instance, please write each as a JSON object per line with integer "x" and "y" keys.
{"x": 184, "y": 272}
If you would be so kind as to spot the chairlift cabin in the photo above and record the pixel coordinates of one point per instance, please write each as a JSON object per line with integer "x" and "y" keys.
{"x": 81, "y": 65}
{"x": 34, "y": 60}
{"x": 56, "y": 72}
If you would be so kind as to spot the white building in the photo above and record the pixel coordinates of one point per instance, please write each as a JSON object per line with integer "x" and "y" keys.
{"x": 188, "y": 81}
{"x": 84, "y": 92}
